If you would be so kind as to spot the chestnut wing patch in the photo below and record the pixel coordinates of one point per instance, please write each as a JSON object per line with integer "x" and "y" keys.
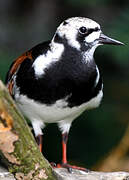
{"x": 19, "y": 60}
{"x": 31, "y": 55}
{"x": 13, "y": 69}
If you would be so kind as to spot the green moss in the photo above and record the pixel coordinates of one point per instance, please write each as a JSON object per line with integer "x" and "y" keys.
{"x": 26, "y": 150}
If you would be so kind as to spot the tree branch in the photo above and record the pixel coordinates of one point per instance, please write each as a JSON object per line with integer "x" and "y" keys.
{"x": 18, "y": 148}
{"x": 63, "y": 174}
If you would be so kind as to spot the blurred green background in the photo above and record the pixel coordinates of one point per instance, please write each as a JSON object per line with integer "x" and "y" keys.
{"x": 23, "y": 24}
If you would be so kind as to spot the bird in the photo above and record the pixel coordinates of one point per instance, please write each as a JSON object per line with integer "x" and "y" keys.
{"x": 57, "y": 80}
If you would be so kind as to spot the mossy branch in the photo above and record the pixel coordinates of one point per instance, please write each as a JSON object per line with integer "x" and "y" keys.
{"x": 18, "y": 148}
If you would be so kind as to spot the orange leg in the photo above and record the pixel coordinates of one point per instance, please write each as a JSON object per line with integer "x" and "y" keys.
{"x": 64, "y": 163}
{"x": 64, "y": 148}
{"x": 39, "y": 142}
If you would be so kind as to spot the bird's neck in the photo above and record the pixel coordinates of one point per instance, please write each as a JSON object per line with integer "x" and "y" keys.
{"x": 88, "y": 55}
{"x": 74, "y": 63}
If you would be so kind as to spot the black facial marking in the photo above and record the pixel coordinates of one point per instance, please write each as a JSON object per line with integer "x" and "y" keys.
{"x": 59, "y": 39}
{"x": 96, "y": 29}
{"x": 83, "y": 31}
{"x": 90, "y": 31}
{"x": 65, "y": 23}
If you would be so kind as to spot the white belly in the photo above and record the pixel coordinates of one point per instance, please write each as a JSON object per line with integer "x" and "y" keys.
{"x": 56, "y": 112}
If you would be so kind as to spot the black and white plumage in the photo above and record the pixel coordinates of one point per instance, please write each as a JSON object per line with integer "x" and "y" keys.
{"x": 56, "y": 81}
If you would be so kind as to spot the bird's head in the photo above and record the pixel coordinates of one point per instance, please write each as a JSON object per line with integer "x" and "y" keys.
{"x": 82, "y": 33}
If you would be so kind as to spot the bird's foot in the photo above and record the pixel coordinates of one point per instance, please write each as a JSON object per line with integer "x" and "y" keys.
{"x": 69, "y": 167}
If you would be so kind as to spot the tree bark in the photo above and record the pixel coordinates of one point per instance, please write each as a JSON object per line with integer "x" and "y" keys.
{"x": 18, "y": 148}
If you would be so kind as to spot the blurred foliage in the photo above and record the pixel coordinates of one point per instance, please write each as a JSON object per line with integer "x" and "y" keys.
{"x": 94, "y": 3}
{"x": 120, "y": 30}
{"x": 4, "y": 64}
{"x": 27, "y": 23}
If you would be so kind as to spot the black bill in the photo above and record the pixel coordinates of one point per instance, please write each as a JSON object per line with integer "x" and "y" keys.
{"x": 107, "y": 40}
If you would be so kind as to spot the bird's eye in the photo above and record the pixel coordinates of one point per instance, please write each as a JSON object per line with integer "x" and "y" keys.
{"x": 83, "y": 30}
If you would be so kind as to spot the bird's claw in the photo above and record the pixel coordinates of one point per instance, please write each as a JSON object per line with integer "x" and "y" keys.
{"x": 69, "y": 167}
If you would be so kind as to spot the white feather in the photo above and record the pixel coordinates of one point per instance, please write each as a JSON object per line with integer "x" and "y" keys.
{"x": 92, "y": 37}
{"x": 57, "y": 113}
{"x": 44, "y": 61}
{"x": 98, "y": 76}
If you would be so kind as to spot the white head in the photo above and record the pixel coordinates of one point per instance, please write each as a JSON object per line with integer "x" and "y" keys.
{"x": 82, "y": 33}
